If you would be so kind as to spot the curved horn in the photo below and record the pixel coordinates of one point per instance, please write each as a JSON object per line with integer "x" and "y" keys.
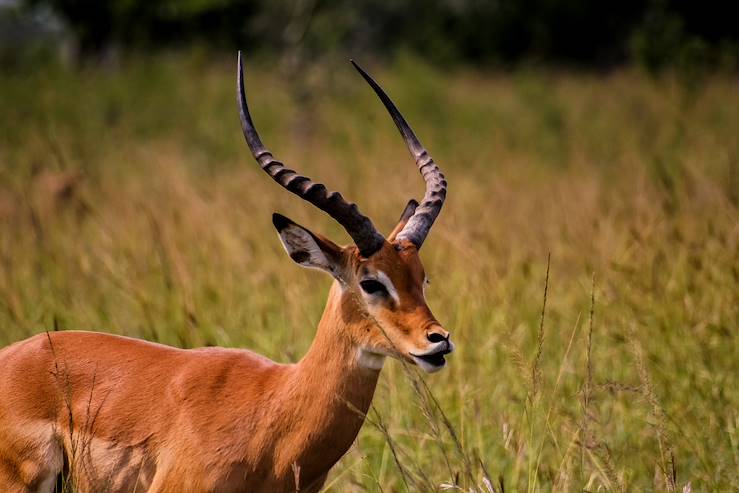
{"x": 420, "y": 223}
{"x": 359, "y": 226}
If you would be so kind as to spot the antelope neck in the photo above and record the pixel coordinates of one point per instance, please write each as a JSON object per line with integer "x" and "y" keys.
{"x": 332, "y": 360}
{"x": 334, "y": 392}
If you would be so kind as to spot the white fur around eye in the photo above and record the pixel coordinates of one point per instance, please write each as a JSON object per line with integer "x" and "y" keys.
{"x": 385, "y": 280}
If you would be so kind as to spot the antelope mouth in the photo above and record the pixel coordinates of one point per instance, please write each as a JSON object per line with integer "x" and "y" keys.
{"x": 434, "y": 360}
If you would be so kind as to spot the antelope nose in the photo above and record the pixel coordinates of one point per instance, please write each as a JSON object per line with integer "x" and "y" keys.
{"x": 438, "y": 335}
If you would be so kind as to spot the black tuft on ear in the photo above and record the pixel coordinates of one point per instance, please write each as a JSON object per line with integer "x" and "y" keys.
{"x": 299, "y": 256}
{"x": 307, "y": 249}
{"x": 280, "y": 221}
{"x": 409, "y": 210}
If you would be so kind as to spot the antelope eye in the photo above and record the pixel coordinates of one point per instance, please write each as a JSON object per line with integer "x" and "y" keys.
{"x": 370, "y": 286}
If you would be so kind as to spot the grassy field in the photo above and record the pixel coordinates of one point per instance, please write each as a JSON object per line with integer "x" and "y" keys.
{"x": 129, "y": 204}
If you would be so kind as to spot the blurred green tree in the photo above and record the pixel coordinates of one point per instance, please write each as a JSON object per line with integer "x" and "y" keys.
{"x": 655, "y": 33}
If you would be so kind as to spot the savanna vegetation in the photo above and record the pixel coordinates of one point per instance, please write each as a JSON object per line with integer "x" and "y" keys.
{"x": 586, "y": 261}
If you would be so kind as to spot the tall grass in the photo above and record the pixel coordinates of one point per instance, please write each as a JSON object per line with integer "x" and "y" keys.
{"x": 128, "y": 204}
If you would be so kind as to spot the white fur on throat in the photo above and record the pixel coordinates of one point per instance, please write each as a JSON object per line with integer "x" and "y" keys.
{"x": 369, "y": 360}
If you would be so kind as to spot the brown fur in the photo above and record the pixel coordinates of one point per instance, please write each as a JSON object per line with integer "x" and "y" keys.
{"x": 129, "y": 414}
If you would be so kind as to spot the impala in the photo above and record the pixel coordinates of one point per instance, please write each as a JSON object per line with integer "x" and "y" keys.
{"x": 121, "y": 414}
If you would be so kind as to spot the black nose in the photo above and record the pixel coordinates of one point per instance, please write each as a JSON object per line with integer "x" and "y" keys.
{"x": 435, "y": 337}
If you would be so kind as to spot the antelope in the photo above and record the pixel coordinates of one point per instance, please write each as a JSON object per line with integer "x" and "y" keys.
{"x": 120, "y": 414}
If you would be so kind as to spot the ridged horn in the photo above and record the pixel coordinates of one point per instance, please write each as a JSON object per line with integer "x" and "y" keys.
{"x": 359, "y": 226}
{"x": 420, "y": 223}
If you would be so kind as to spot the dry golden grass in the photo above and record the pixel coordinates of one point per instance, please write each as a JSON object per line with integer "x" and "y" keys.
{"x": 128, "y": 204}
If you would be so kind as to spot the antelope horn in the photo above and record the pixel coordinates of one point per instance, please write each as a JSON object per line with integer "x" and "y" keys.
{"x": 359, "y": 226}
{"x": 418, "y": 226}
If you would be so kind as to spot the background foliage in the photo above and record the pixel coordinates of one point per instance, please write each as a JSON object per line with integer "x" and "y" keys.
{"x": 591, "y": 153}
{"x": 654, "y": 33}
{"x": 129, "y": 204}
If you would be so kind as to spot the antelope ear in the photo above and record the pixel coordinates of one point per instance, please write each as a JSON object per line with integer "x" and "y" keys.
{"x": 308, "y": 249}
{"x": 409, "y": 210}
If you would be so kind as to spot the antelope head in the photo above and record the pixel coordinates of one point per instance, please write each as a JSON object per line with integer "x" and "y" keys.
{"x": 382, "y": 280}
